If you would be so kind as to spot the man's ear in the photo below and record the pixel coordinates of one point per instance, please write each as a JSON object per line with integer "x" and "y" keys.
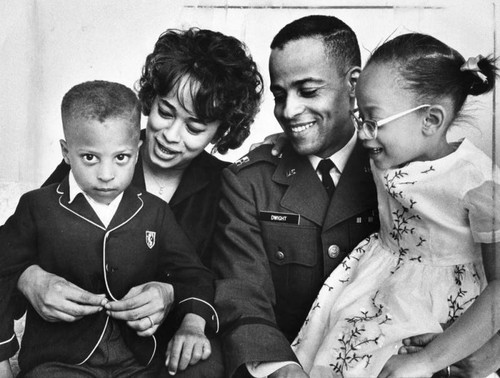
{"x": 434, "y": 120}
{"x": 64, "y": 150}
{"x": 352, "y": 77}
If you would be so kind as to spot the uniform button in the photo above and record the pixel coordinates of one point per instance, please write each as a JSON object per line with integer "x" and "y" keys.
{"x": 333, "y": 251}
{"x": 280, "y": 255}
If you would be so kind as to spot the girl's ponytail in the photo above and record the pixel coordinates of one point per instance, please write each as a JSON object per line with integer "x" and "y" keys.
{"x": 432, "y": 69}
{"x": 479, "y": 74}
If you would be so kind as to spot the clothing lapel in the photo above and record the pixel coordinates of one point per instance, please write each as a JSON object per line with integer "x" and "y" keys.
{"x": 129, "y": 206}
{"x": 79, "y": 205}
{"x": 196, "y": 176}
{"x": 305, "y": 194}
{"x": 355, "y": 191}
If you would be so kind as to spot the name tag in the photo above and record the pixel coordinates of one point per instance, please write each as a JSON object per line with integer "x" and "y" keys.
{"x": 270, "y": 216}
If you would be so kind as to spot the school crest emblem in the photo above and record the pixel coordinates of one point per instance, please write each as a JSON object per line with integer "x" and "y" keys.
{"x": 150, "y": 239}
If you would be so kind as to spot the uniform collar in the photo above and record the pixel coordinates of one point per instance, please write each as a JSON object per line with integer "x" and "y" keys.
{"x": 339, "y": 158}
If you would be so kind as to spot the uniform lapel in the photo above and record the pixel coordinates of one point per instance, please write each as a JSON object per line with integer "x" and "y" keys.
{"x": 355, "y": 191}
{"x": 305, "y": 194}
{"x": 79, "y": 206}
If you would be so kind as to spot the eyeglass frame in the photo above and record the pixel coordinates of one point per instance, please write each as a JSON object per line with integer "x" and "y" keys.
{"x": 364, "y": 125}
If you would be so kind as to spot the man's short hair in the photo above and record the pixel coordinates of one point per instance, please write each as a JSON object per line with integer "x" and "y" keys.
{"x": 339, "y": 39}
{"x": 101, "y": 100}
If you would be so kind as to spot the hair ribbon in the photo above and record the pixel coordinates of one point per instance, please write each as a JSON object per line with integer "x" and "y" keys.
{"x": 471, "y": 65}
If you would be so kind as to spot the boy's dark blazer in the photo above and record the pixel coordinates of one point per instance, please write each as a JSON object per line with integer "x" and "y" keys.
{"x": 142, "y": 243}
{"x": 277, "y": 240}
{"x": 195, "y": 201}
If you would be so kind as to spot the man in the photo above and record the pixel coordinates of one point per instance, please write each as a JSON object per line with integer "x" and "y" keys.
{"x": 284, "y": 226}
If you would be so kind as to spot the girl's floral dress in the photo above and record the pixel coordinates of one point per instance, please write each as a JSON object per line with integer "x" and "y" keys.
{"x": 422, "y": 269}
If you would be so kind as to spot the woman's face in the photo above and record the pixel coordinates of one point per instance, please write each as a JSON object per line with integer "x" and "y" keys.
{"x": 174, "y": 134}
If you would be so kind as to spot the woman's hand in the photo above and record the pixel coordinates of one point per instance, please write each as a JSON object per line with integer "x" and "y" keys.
{"x": 481, "y": 363}
{"x": 56, "y": 299}
{"x": 189, "y": 344}
{"x": 144, "y": 307}
{"x": 279, "y": 141}
{"x": 409, "y": 365}
{"x": 5, "y": 369}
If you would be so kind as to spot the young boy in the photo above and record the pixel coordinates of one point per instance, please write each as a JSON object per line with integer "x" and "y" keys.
{"x": 107, "y": 237}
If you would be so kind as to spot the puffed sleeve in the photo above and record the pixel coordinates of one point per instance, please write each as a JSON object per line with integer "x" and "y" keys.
{"x": 483, "y": 205}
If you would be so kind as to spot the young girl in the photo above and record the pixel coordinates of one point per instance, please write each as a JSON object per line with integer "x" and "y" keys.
{"x": 437, "y": 216}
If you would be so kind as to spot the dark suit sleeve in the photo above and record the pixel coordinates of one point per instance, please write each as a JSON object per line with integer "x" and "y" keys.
{"x": 193, "y": 283}
{"x": 244, "y": 289}
{"x": 17, "y": 252}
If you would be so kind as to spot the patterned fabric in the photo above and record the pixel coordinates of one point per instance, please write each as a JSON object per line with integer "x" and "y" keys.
{"x": 421, "y": 270}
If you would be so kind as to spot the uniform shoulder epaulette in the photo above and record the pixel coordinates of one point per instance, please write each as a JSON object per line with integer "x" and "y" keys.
{"x": 261, "y": 154}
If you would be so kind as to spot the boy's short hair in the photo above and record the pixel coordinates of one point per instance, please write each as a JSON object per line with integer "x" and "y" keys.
{"x": 339, "y": 39}
{"x": 101, "y": 100}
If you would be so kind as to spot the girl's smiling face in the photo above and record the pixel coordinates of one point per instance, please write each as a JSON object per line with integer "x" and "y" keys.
{"x": 380, "y": 94}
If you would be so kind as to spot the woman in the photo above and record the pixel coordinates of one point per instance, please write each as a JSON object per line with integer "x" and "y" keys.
{"x": 197, "y": 87}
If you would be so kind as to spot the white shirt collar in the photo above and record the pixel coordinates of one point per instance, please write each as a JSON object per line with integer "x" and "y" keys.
{"x": 339, "y": 158}
{"x": 104, "y": 212}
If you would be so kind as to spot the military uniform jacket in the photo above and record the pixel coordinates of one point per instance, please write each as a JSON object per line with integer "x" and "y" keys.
{"x": 142, "y": 243}
{"x": 278, "y": 237}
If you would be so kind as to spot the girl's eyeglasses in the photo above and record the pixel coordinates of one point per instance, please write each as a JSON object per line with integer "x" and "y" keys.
{"x": 369, "y": 127}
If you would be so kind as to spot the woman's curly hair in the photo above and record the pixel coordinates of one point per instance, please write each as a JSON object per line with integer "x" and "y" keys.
{"x": 223, "y": 79}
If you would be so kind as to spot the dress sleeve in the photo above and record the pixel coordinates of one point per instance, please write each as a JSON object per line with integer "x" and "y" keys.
{"x": 483, "y": 205}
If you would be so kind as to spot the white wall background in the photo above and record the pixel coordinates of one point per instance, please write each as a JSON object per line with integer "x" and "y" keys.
{"x": 47, "y": 46}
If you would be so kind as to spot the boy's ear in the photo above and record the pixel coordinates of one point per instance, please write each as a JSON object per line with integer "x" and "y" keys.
{"x": 352, "y": 77}
{"x": 434, "y": 120}
{"x": 64, "y": 150}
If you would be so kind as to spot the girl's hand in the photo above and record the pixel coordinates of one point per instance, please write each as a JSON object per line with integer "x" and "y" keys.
{"x": 5, "y": 369}
{"x": 290, "y": 371}
{"x": 189, "y": 344}
{"x": 409, "y": 365}
{"x": 277, "y": 140}
{"x": 144, "y": 307}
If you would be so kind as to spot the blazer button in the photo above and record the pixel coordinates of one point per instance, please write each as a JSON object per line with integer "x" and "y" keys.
{"x": 280, "y": 255}
{"x": 333, "y": 251}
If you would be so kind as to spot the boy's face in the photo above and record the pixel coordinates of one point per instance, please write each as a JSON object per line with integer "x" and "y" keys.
{"x": 102, "y": 155}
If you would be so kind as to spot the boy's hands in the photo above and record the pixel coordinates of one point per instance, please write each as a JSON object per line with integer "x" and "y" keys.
{"x": 144, "y": 307}
{"x": 189, "y": 344}
{"x": 56, "y": 299}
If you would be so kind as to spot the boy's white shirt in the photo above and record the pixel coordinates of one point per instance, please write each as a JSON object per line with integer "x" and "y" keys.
{"x": 339, "y": 158}
{"x": 104, "y": 212}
